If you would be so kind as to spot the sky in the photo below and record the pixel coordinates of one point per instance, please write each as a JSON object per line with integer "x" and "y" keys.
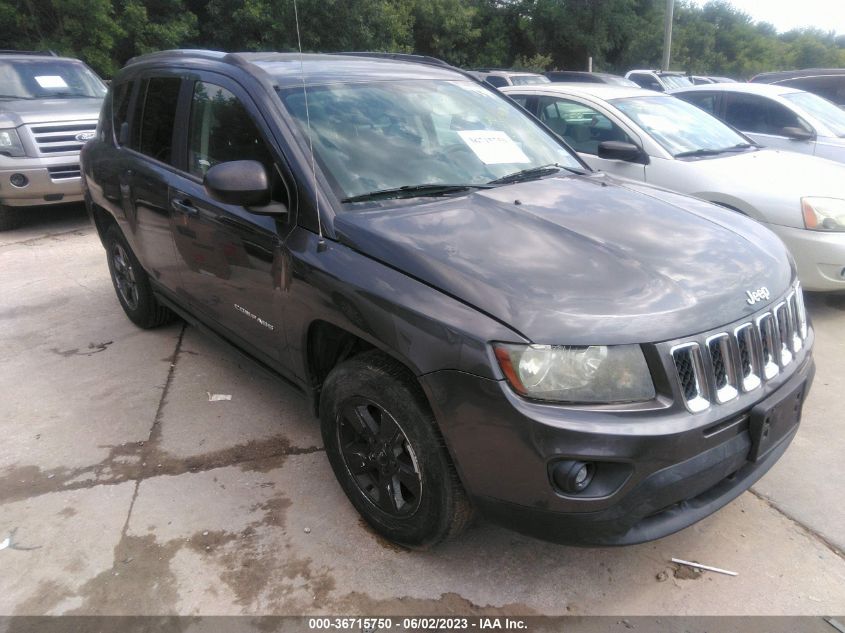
{"x": 828, "y": 15}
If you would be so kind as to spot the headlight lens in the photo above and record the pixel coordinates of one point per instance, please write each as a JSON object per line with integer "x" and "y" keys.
{"x": 10, "y": 143}
{"x": 589, "y": 374}
{"x": 824, "y": 214}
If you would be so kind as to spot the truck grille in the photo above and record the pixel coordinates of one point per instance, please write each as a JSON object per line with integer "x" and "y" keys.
{"x": 740, "y": 360}
{"x": 61, "y": 138}
{"x": 63, "y": 172}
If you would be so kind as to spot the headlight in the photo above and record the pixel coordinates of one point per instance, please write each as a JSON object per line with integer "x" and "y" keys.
{"x": 824, "y": 214}
{"x": 595, "y": 373}
{"x": 10, "y": 143}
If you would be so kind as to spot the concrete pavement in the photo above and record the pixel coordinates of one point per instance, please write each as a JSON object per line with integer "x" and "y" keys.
{"x": 139, "y": 496}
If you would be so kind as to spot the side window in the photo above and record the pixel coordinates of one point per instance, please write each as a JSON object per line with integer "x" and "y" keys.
{"x": 750, "y": 113}
{"x": 222, "y": 130}
{"x": 704, "y": 100}
{"x": 520, "y": 99}
{"x": 155, "y": 113}
{"x": 646, "y": 81}
{"x": 496, "y": 81}
{"x": 120, "y": 105}
{"x": 581, "y": 126}
{"x": 830, "y": 87}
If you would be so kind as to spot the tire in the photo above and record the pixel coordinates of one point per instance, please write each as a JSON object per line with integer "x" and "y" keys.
{"x": 372, "y": 391}
{"x": 131, "y": 283}
{"x": 10, "y": 218}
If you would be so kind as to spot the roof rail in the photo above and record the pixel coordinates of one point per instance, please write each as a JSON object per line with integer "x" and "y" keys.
{"x": 404, "y": 57}
{"x": 45, "y": 53}
{"x": 178, "y": 52}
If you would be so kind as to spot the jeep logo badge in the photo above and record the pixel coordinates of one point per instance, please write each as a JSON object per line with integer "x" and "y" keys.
{"x": 761, "y": 294}
{"x": 84, "y": 136}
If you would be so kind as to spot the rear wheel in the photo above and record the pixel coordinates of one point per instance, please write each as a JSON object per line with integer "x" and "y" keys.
{"x": 387, "y": 454}
{"x": 9, "y": 218}
{"x": 132, "y": 284}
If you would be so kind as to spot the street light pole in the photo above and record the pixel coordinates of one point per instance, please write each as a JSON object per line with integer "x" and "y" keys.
{"x": 667, "y": 33}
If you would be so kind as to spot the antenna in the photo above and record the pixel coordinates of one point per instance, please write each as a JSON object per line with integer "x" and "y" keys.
{"x": 321, "y": 244}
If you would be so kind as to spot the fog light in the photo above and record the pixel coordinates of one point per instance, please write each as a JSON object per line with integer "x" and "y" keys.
{"x": 19, "y": 180}
{"x": 573, "y": 477}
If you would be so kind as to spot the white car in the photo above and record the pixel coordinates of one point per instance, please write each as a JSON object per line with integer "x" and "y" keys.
{"x": 661, "y": 140}
{"x": 658, "y": 80}
{"x": 775, "y": 116}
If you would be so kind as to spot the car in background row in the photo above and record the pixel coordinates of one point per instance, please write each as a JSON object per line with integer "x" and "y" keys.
{"x": 775, "y": 116}
{"x": 658, "y": 80}
{"x": 670, "y": 143}
{"x": 825, "y": 82}
{"x": 576, "y": 76}
{"x": 479, "y": 319}
{"x": 699, "y": 80}
{"x": 500, "y": 78}
{"x": 48, "y": 109}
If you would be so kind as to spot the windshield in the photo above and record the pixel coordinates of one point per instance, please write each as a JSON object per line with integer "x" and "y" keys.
{"x": 826, "y": 112}
{"x": 383, "y": 135}
{"x": 677, "y": 125}
{"x": 675, "y": 81}
{"x": 45, "y": 79}
{"x": 527, "y": 80}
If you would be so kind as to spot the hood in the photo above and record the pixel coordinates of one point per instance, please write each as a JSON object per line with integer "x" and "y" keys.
{"x": 580, "y": 260}
{"x": 771, "y": 181}
{"x": 23, "y": 111}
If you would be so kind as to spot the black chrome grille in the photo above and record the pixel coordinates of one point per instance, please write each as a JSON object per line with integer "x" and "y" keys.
{"x": 63, "y": 172}
{"x": 741, "y": 359}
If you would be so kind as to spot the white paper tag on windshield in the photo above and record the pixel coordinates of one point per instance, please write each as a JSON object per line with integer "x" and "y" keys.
{"x": 493, "y": 147}
{"x": 50, "y": 81}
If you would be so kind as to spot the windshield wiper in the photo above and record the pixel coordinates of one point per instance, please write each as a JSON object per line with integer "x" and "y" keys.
{"x": 530, "y": 174}
{"x": 713, "y": 152}
{"x": 412, "y": 191}
{"x": 17, "y": 97}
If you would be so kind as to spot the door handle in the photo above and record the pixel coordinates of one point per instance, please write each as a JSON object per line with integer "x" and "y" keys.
{"x": 184, "y": 206}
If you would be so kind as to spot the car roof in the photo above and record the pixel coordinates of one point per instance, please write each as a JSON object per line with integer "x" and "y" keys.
{"x": 602, "y": 91}
{"x": 28, "y": 57}
{"x": 764, "y": 90}
{"x": 781, "y": 75}
{"x": 290, "y": 69}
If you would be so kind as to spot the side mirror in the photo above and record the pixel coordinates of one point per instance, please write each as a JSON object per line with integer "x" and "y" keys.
{"x": 617, "y": 150}
{"x": 241, "y": 182}
{"x": 798, "y": 134}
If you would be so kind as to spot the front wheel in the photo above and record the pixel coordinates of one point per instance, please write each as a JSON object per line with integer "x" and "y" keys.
{"x": 387, "y": 454}
{"x": 10, "y": 218}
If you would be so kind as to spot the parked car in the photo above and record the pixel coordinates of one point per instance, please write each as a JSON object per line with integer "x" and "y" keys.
{"x": 658, "y": 80}
{"x": 698, "y": 80}
{"x": 825, "y": 82}
{"x": 575, "y": 76}
{"x": 668, "y": 142}
{"x": 480, "y": 320}
{"x": 775, "y": 116}
{"x": 499, "y": 78}
{"x": 48, "y": 109}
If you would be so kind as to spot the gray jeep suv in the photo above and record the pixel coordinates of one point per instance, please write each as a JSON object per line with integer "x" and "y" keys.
{"x": 480, "y": 320}
{"x": 48, "y": 110}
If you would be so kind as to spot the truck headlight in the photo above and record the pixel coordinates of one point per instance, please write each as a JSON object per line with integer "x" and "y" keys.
{"x": 824, "y": 214}
{"x": 10, "y": 143}
{"x": 589, "y": 374}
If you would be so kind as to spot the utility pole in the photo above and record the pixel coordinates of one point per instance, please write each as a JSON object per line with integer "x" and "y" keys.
{"x": 667, "y": 33}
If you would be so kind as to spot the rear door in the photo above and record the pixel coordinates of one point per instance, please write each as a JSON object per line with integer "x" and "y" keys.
{"x": 231, "y": 259}
{"x": 146, "y": 173}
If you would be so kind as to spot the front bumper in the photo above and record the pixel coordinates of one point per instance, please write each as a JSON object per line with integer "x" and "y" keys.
{"x": 673, "y": 468}
{"x": 819, "y": 256}
{"x": 48, "y": 181}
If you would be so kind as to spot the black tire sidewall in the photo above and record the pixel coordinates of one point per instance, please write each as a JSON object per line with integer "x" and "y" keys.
{"x": 144, "y": 314}
{"x": 371, "y": 378}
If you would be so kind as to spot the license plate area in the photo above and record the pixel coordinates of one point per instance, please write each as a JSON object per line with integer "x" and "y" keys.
{"x": 772, "y": 420}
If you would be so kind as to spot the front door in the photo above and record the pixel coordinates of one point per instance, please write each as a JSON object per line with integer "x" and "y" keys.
{"x": 765, "y": 120}
{"x": 232, "y": 260}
